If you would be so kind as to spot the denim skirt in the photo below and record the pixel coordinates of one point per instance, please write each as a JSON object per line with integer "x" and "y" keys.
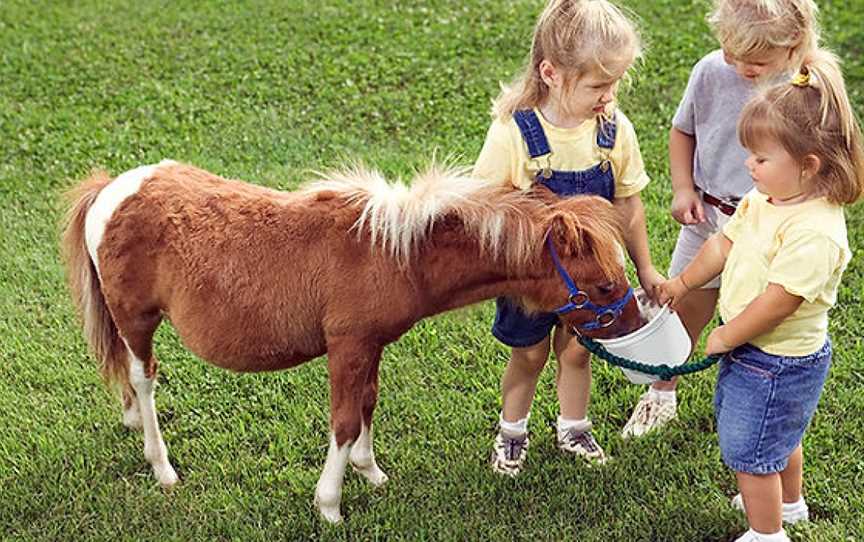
{"x": 763, "y": 404}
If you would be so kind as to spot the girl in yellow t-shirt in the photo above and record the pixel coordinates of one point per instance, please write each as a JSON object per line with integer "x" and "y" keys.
{"x": 558, "y": 126}
{"x": 782, "y": 255}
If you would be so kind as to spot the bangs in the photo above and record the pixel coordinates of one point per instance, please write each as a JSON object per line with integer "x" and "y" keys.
{"x": 757, "y": 124}
{"x": 745, "y": 46}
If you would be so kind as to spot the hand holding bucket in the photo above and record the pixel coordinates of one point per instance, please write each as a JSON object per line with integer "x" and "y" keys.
{"x": 663, "y": 340}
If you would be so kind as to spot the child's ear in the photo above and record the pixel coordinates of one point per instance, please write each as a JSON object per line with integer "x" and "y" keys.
{"x": 549, "y": 74}
{"x": 810, "y": 166}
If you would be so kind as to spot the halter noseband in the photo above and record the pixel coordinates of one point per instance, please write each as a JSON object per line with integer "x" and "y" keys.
{"x": 579, "y": 299}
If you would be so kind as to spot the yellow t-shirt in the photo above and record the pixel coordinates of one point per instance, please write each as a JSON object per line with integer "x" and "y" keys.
{"x": 801, "y": 247}
{"x": 504, "y": 156}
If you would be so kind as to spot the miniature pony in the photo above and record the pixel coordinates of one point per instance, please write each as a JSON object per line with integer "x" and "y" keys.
{"x": 255, "y": 279}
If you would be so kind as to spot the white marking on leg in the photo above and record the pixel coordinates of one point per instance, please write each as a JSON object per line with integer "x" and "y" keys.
{"x": 328, "y": 492}
{"x": 132, "y": 415}
{"x": 362, "y": 458}
{"x": 109, "y": 199}
{"x": 154, "y": 447}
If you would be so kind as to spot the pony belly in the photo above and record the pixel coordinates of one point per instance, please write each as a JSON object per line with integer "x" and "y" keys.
{"x": 248, "y": 352}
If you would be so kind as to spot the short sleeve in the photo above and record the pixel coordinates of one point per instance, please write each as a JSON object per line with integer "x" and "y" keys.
{"x": 733, "y": 228}
{"x": 630, "y": 175}
{"x": 806, "y": 263}
{"x": 495, "y": 161}
{"x": 685, "y": 115}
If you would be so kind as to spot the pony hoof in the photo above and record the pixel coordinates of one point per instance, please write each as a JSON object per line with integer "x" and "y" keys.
{"x": 330, "y": 513}
{"x": 166, "y": 476}
{"x": 374, "y": 475}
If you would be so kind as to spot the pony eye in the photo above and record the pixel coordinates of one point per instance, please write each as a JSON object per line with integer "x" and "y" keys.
{"x": 607, "y": 288}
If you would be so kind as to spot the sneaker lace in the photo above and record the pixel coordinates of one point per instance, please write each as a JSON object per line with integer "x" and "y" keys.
{"x": 513, "y": 448}
{"x": 585, "y": 439}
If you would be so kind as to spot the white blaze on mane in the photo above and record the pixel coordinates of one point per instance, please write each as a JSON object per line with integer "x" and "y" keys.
{"x": 399, "y": 217}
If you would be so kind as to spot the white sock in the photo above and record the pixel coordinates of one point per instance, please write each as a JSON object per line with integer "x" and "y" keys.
{"x": 565, "y": 425}
{"x": 662, "y": 395}
{"x": 779, "y": 536}
{"x": 517, "y": 428}
{"x": 795, "y": 511}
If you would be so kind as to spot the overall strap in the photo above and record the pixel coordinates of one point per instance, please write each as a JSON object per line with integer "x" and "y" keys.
{"x": 532, "y": 132}
{"x": 606, "y": 131}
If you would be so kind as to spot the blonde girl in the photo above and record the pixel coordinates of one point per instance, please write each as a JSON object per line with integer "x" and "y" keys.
{"x": 782, "y": 256}
{"x": 760, "y": 41}
{"x": 558, "y": 126}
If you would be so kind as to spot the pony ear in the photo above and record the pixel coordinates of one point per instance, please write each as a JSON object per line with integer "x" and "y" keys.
{"x": 587, "y": 224}
{"x": 567, "y": 233}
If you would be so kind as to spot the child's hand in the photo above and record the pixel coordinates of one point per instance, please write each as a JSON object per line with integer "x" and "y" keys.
{"x": 716, "y": 344}
{"x": 650, "y": 279}
{"x": 687, "y": 207}
{"x": 671, "y": 291}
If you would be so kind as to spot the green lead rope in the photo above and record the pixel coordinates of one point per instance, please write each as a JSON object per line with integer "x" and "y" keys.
{"x": 664, "y": 371}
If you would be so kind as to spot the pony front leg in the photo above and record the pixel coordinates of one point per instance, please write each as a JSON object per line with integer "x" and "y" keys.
{"x": 363, "y": 458}
{"x": 349, "y": 363}
{"x": 154, "y": 447}
{"x": 328, "y": 491}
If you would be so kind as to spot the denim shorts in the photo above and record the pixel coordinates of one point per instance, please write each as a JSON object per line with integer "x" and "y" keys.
{"x": 516, "y": 329}
{"x": 763, "y": 404}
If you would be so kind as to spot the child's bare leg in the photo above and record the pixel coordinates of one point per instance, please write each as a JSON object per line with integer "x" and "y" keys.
{"x": 792, "y": 477}
{"x": 573, "y": 379}
{"x": 762, "y": 501}
{"x": 520, "y": 379}
{"x": 573, "y": 375}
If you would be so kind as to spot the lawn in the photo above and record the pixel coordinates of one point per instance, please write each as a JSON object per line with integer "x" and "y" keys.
{"x": 268, "y": 91}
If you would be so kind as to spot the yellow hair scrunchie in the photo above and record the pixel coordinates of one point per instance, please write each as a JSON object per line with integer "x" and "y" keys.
{"x": 801, "y": 79}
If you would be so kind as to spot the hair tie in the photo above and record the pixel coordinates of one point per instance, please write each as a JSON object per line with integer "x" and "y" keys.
{"x": 801, "y": 79}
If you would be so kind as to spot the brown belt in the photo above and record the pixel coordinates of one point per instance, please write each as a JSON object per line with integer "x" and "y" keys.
{"x": 726, "y": 207}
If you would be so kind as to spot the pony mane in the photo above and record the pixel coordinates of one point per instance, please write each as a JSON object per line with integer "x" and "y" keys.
{"x": 508, "y": 223}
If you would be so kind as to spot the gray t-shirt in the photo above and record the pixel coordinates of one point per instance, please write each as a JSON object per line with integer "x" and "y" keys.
{"x": 709, "y": 111}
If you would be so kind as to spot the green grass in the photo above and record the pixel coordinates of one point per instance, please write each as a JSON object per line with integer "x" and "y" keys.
{"x": 267, "y": 91}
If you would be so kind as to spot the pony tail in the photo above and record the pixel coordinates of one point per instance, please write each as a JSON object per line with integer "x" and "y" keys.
{"x": 99, "y": 328}
{"x": 825, "y": 66}
{"x": 821, "y": 69}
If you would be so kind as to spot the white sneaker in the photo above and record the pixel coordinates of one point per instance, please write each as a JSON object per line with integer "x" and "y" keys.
{"x": 509, "y": 453}
{"x": 583, "y": 444}
{"x": 792, "y": 512}
{"x": 649, "y": 414}
{"x": 753, "y": 536}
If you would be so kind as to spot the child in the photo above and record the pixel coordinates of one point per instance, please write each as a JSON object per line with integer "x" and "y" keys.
{"x": 782, "y": 255}
{"x": 761, "y": 40}
{"x": 558, "y": 126}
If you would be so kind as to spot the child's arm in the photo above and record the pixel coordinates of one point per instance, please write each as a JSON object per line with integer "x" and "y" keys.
{"x": 761, "y": 316}
{"x": 707, "y": 264}
{"x": 686, "y": 205}
{"x": 636, "y": 239}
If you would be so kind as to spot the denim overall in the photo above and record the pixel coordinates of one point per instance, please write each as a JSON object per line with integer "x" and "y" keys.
{"x": 512, "y": 326}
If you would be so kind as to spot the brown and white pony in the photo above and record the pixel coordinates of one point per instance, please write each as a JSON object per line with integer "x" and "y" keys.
{"x": 254, "y": 279}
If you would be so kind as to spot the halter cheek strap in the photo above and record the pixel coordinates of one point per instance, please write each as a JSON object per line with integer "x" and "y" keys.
{"x": 579, "y": 299}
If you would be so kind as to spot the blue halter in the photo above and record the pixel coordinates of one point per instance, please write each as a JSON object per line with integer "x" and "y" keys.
{"x": 579, "y": 299}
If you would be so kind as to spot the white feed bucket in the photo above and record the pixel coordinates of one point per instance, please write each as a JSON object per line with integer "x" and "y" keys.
{"x": 662, "y": 340}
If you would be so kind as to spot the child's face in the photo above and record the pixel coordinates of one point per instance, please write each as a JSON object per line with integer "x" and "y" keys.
{"x": 754, "y": 67}
{"x": 591, "y": 94}
{"x": 775, "y": 172}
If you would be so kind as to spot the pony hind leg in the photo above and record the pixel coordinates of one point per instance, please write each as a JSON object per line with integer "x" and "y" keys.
{"x": 137, "y": 333}
{"x": 362, "y": 457}
{"x": 142, "y": 378}
{"x": 349, "y": 363}
{"x": 131, "y": 410}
